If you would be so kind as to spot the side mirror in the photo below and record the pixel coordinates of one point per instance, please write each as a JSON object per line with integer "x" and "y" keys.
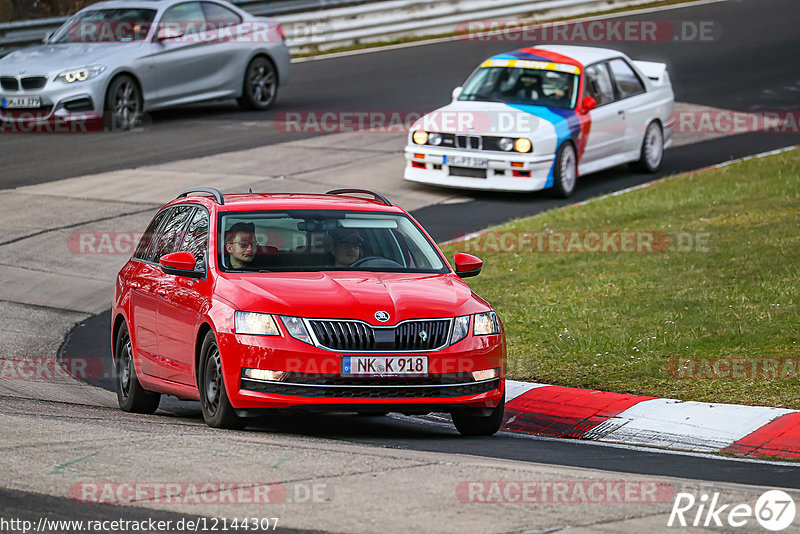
{"x": 47, "y": 37}
{"x": 457, "y": 93}
{"x": 180, "y": 264}
{"x": 589, "y": 103}
{"x": 165, "y": 33}
{"x": 467, "y": 265}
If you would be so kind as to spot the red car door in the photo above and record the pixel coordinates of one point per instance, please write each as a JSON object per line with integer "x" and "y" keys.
{"x": 181, "y": 306}
{"x": 151, "y": 294}
{"x": 143, "y": 283}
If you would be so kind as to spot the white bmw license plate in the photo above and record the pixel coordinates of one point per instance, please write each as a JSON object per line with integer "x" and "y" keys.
{"x": 22, "y": 102}
{"x": 384, "y": 365}
{"x": 468, "y": 161}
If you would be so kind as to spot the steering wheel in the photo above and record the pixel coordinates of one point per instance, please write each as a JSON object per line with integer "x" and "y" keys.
{"x": 375, "y": 261}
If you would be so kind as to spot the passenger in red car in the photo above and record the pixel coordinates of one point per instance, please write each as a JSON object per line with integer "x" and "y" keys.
{"x": 240, "y": 244}
{"x": 345, "y": 245}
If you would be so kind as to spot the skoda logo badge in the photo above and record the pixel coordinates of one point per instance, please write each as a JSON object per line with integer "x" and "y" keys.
{"x": 423, "y": 335}
{"x": 382, "y": 316}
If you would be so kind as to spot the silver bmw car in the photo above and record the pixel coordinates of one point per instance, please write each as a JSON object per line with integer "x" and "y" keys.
{"x": 116, "y": 60}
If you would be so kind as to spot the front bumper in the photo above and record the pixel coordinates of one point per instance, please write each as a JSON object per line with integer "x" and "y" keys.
{"x": 314, "y": 381}
{"x": 534, "y": 171}
{"x": 86, "y": 98}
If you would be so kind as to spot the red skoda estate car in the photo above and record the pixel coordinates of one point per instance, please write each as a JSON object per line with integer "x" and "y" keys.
{"x": 334, "y": 302}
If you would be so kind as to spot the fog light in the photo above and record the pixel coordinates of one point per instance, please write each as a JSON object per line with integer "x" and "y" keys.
{"x": 265, "y": 375}
{"x": 486, "y": 374}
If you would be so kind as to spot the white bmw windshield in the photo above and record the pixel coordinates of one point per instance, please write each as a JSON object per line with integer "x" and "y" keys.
{"x": 531, "y": 87}
{"x": 106, "y": 26}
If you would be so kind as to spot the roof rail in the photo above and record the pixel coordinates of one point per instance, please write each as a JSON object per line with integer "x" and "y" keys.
{"x": 214, "y": 192}
{"x": 375, "y": 196}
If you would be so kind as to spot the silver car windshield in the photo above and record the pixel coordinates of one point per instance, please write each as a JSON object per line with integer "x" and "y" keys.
{"x": 523, "y": 86}
{"x": 106, "y": 26}
{"x": 267, "y": 241}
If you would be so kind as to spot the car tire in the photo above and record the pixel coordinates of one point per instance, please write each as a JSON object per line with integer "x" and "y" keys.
{"x": 214, "y": 403}
{"x": 652, "y": 152}
{"x": 124, "y": 104}
{"x": 468, "y": 424}
{"x": 132, "y": 397}
{"x": 260, "y": 86}
{"x": 565, "y": 171}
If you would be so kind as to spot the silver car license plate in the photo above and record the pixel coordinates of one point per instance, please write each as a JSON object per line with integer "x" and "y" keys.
{"x": 468, "y": 161}
{"x": 22, "y": 102}
{"x": 384, "y": 365}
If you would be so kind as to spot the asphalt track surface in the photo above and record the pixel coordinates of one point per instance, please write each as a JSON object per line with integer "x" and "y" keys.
{"x": 750, "y": 67}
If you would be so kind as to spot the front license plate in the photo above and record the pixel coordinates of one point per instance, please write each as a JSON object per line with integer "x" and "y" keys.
{"x": 468, "y": 161}
{"x": 22, "y": 102}
{"x": 384, "y": 365}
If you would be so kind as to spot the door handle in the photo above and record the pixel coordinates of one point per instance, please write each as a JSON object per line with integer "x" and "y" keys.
{"x": 162, "y": 292}
{"x": 134, "y": 285}
{"x": 621, "y": 112}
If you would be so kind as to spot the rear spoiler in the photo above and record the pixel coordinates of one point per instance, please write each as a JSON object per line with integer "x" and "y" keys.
{"x": 656, "y": 72}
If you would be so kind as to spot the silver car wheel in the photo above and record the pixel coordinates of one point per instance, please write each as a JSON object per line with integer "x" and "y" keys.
{"x": 653, "y": 146}
{"x": 262, "y": 83}
{"x": 568, "y": 170}
{"x": 126, "y": 104}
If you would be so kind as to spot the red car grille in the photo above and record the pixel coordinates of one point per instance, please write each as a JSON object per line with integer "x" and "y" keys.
{"x": 355, "y": 335}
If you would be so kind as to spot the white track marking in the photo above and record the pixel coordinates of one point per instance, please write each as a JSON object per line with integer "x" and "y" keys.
{"x": 675, "y": 424}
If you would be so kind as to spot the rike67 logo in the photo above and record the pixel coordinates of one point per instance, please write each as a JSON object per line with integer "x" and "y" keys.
{"x": 774, "y": 510}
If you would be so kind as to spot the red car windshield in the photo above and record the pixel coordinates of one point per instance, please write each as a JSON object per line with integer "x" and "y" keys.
{"x": 106, "y": 26}
{"x": 267, "y": 241}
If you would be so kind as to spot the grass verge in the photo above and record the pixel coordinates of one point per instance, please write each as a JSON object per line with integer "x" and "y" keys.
{"x": 722, "y": 283}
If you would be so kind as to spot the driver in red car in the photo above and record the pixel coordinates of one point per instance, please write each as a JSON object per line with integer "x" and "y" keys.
{"x": 240, "y": 244}
{"x": 345, "y": 246}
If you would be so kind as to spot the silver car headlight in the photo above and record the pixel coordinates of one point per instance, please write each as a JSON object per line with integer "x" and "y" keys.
{"x": 82, "y": 74}
{"x": 486, "y": 324}
{"x": 460, "y": 329}
{"x": 259, "y": 324}
{"x": 296, "y": 328}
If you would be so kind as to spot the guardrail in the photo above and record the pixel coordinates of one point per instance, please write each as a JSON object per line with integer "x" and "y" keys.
{"x": 27, "y": 32}
{"x": 319, "y": 25}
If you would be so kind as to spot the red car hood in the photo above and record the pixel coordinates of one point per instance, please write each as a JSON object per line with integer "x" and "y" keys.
{"x": 351, "y": 295}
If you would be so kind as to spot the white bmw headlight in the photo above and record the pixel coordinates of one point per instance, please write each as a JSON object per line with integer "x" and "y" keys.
{"x": 420, "y": 137}
{"x": 81, "y": 75}
{"x": 260, "y": 324}
{"x": 486, "y": 324}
